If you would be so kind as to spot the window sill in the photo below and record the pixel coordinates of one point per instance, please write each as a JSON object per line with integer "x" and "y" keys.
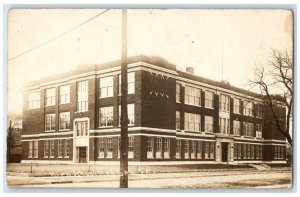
{"x": 237, "y": 113}
{"x": 35, "y": 157}
{"x": 66, "y": 157}
{"x": 209, "y": 107}
{"x": 77, "y": 112}
{"x": 64, "y": 130}
{"x": 105, "y": 127}
{"x": 100, "y": 157}
{"x": 64, "y": 103}
{"x": 45, "y": 157}
{"x": 49, "y": 131}
{"x": 193, "y": 105}
{"x": 60, "y": 157}
{"x": 51, "y": 157}
{"x": 105, "y": 97}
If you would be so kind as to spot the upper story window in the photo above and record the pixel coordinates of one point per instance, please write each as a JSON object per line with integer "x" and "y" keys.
{"x": 178, "y": 92}
{"x": 209, "y": 124}
{"x": 224, "y": 103}
{"x": 177, "y": 120}
{"x": 64, "y": 94}
{"x": 106, "y": 116}
{"x": 34, "y": 100}
{"x": 259, "y": 111}
{"x": 64, "y": 120}
{"x": 192, "y": 96}
{"x": 236, "y": 106}
{"x": 236, "y": 127}
{"x": 81, "y": 128}
{"x": 224, "y": 125}
{"x": 106, "y": 87}
{"x": 248, "y": 108}
{"x": 130, "y": 83}
{"x": 50, "y": 122}
{"x": 50, "y": 97}
{"x": 248, "y": 129}
{"x": 258, "y": 131}
{"x": 82, "y": 96}
{"x": 130, "y": 112}
{"x": 192, "y": 122}
{"x": 209, "y": 99}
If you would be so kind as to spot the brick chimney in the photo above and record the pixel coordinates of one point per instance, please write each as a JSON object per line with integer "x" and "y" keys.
{"x": 190, "y": 70}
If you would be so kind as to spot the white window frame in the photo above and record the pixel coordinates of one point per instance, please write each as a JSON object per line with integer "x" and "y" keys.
{"x": 158, "y": 151}
{"x": 192, "y": 122}
{"x": 46, "y": 148}
{"x": 131, "y": 114}
{"x": 178, "y": 149}
{"x": 150, "y": 148}
{"x": 209, "y": 99}
{"x": 192, "y": 96}
{"x": 64, "y": 119}
{"x": 193, "y": 149}
{"x": 107, "y": 114}
{"x": 237, "y": 106}
{"x": 248, "y": 108}
{"x": 178, "y": 92}
{"x": 236, "y": 127}
{"x": 130, "y": 83}
{"x": 82, "y": 96}
{"x": 51, "y": 148}
{"x": 109, "y": 149}
{"x": 209, "y": 124}
{"x": 101, "y": 145}
{"x": 187, "y": 149}
{"x": 60, "y": 149}
{"x": 64, "y": 92}
{"x": 51, "y": 123}
{"x": 131, "y": 147}
{"x": 34, "y": 100}
{"x": 84, "y": 124}
{"x": 106, "y": 87}
{"x": 166, "y": 148}
{"x": 50, "y": 97}
{"x": 177, "y": 120}
{"x": 199, "y": 149}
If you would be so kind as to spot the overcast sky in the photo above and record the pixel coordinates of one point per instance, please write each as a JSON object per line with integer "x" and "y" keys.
{"x": 183, "y": 37}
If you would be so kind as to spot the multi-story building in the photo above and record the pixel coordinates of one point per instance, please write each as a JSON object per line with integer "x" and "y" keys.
{"x": 175, "y": 117}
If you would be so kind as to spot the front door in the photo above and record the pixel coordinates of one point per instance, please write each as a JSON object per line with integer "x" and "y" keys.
{"x": 224, "y": 151}
{"x": 82, "y": 155}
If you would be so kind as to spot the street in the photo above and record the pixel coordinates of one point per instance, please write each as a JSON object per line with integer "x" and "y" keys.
{"x": 241, "y": 178}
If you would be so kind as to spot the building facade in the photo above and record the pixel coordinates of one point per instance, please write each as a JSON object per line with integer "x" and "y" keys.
{"x": 175, "y": 117}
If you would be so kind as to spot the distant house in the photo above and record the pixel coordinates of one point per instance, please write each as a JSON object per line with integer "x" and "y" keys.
{"x": 175, "y": 117}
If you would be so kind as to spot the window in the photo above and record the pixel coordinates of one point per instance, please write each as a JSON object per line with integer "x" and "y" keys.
{"x": 211, "y": 150}
{"x": 259, "y": 131}
{"x": 244, "y": 151}
{"x": 46, "y": 148}
{"x": 224, "y": 104}
{"x": 252, "y": 151}
{"x": 248, "y": 129}
{"x": 206, "y": 151}
{"x": 209, "y": 124}
{"x": 178, "y": 149}
{"x": 50, "y": 122}
{"x": 224, "y": 125}
{"x": 239, "y": 153}
{"x": 178, "y": 93}
{"x": 36, "y": 149}
{"x": 119, "y": 145}
{"x": 248, "y": 108}
{"x": 64, "y": 120}
{"x": 34, "y": 100}
{"x": 187, "y": 149}
{"x": 236, "y": 106}
{"x": 259, "y": 111}
{"x": 192, "y": 122}
{"x": 209, "y": 99}
{"x": 248, "y": 151}
{"x": 51, "y": 153}
{"x": 101, "y": 144}
{"x": 235, "y": 153}
{"x": 150, "y": 147}
{"x": 82, "y": 96}
{"x": 193, "y": 149}
{"x": 158, "y": 153}
{"x": 192, "y": 96}
{"x": 81, "y": 128}
{"x": 236, "y": 127}
{"x": 199, "y": 152}
{"x": 130, "y": 82}
{"x": 106, "y": 87}
{"x": 177, "y": 120}
{"x": 65, "y": 94}
{"x": 130, "y": 112}
{"x": 167, "y": 148}
{"x": 106, "y": 116}
{"x": 30, "y": 149}
{"x": 66, "y": 148}
{"x": 50, "y": 97}
{"x": 131, "y": 147}
{"x": 109, "y": 147}
{"x": 60, "y": 148}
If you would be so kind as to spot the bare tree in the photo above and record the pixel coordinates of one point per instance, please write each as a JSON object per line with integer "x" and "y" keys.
{"x": 276, "y": 84}
{"x": 12, "y": 133}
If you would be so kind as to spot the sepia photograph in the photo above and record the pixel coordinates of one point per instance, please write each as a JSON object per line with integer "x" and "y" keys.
{"x": 150, "y": 98}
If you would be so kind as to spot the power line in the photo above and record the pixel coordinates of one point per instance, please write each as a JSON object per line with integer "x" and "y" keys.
{"x": 56, "y": 37}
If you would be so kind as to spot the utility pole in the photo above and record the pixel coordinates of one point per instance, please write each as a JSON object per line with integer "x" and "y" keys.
{"x": 124, "y": 116}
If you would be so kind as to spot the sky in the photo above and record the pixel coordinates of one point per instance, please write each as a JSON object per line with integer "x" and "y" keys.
{"x": 184, "y": 37}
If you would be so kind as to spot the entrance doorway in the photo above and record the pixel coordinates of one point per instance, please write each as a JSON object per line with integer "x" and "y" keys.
{"x": 224, "y": 152}
{"x": 82, "y": 154}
